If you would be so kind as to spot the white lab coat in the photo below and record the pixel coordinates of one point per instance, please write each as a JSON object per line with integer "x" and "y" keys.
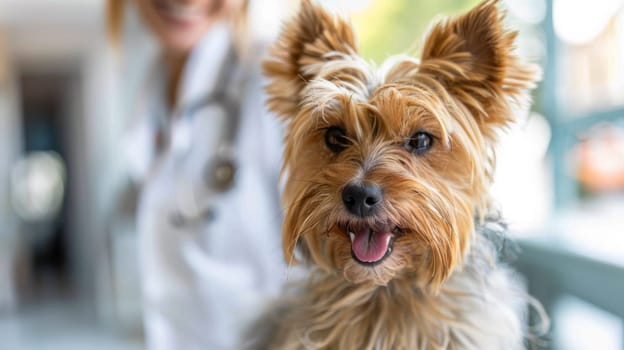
{"x": 204, "y": 280}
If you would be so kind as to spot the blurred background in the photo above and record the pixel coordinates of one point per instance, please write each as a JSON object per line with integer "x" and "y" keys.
{"x": 68, "y": 269}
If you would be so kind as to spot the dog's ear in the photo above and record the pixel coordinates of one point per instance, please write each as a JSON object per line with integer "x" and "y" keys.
{"x": 472, "y": 56}
{"x": 313, "y": 37}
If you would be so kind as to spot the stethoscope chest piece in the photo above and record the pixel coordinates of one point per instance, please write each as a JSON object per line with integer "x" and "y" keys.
{"x": 221, "y": 173}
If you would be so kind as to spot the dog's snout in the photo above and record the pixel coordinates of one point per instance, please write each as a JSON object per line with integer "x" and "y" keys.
{"x": 362, "y": 199}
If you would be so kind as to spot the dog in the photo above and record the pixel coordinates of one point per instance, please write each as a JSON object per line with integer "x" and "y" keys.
{"x": 386, "y": 174}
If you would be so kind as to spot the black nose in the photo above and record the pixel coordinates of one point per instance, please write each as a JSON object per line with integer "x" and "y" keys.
{"x": 362, "y": 199}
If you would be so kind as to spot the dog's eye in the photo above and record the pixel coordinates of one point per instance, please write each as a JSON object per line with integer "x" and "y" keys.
{"x": 335, "y": 139}
{"x": 420, "y": 142}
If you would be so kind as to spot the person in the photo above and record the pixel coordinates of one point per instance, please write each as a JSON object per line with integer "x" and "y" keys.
{"x": 208, "y": 157}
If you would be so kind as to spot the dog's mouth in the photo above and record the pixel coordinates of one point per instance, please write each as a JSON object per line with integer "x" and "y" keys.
{"x": 371, "y": 244}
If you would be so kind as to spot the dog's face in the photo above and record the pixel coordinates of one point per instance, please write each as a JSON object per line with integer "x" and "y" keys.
{"x": 386, "y": 168}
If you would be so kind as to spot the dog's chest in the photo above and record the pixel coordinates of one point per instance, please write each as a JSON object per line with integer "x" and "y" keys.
{"x": 470, "y": 312}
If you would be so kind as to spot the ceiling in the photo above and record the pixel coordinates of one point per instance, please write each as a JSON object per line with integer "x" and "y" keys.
{"x": 50, "y": 32}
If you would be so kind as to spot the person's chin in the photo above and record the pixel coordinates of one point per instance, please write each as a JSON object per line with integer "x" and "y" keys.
{"x": 181, "y": 43}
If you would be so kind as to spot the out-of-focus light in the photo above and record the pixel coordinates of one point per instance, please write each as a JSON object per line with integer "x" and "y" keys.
{"x": 580, "y": 21}
{"x": 530, "y": 11}
{"x": 522, "y": 188}
{"x": 600, "y": 159}
{"x": 38, "y": 186}
{"x": 600, "y": 330}
{"x": 619, "y": 25}
{"x": 346, "y": 6}
{"x": 532, "y": 47}
{"x": 265, "y": 16}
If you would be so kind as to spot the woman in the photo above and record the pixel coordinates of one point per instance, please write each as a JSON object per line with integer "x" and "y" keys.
{"x": 208, "y": 213}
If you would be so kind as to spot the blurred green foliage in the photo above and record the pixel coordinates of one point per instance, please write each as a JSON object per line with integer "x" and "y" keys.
{"x": 389, "y": 27}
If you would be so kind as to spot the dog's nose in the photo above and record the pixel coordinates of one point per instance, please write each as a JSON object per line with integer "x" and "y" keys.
{"x": 362, "y": 199}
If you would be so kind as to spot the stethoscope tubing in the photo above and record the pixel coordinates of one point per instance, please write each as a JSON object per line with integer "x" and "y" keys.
{"x": 219, "y": 173}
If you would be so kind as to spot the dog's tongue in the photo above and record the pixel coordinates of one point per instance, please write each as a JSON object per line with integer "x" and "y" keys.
{"x": 369, "y": 246}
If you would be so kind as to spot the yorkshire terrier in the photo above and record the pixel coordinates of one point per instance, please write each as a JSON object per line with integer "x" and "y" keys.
{"x": 386, "y": 186}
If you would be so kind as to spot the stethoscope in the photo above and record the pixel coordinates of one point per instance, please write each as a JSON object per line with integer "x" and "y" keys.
{"x": 218, "y": 175}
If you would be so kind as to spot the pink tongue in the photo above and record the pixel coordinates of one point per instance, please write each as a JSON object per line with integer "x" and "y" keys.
{"x": 370, "y": 247}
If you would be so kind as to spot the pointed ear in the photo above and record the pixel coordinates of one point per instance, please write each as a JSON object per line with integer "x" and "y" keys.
{"x": 312, "y": 38}
{"x": 472, "y": 56}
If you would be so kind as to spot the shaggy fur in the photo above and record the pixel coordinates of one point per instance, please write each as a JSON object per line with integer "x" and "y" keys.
{"x": 439, "y": 285}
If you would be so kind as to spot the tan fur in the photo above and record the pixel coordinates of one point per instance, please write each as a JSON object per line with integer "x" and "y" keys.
{"x": 465, "y": 87}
